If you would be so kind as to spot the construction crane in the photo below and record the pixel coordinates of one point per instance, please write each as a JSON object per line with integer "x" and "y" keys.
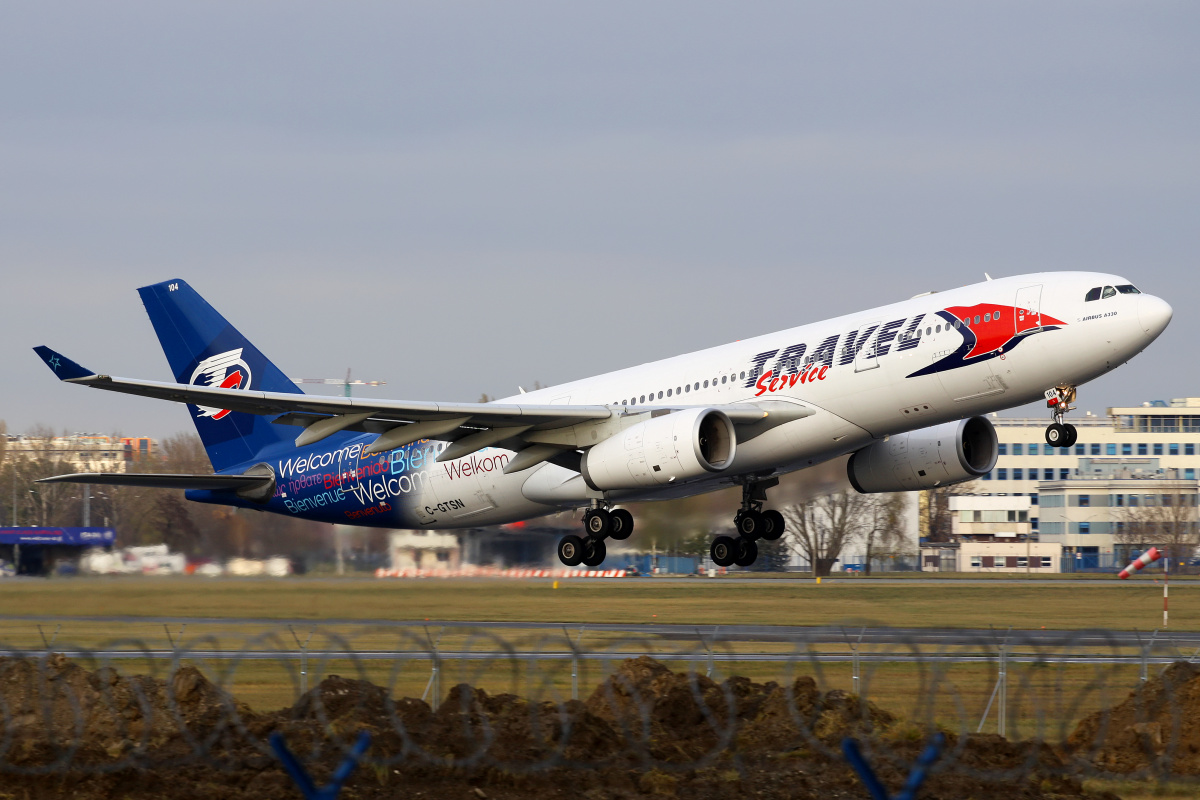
{"x": 347, "y": 383}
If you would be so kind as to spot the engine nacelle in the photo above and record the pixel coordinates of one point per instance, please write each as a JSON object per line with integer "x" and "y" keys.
{"x": 664, "y": 449}
{"x": 926, "y": 458}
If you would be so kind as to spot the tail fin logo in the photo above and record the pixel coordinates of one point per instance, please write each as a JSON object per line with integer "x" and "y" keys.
{"x": 225, "y": 371}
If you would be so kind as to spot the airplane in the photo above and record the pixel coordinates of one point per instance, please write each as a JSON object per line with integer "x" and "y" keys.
{"x": 901, "y": 389}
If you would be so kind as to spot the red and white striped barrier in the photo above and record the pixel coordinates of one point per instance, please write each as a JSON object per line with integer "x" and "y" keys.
{"x": 1148, "y": 557}
{"x": 493, "y": 572}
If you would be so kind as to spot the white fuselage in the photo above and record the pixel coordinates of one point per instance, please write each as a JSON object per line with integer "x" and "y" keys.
{"x": 879, "y": 378}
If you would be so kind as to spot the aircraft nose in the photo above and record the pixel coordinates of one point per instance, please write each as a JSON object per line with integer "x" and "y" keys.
{"x": 1154, "y": 313}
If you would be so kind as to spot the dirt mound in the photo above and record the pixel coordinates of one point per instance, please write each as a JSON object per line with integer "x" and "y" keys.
{"x": 54, "y": 709}
{"x": 646, "y": 731}
{"x": 1157, "y": 727}
{"x": 675, "y": 716}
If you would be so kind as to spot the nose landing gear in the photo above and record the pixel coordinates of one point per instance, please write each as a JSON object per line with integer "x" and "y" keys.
{"x": 752, "y": 523}
{"x": 1058, "y": 433}
{"x": 598, "y": 524}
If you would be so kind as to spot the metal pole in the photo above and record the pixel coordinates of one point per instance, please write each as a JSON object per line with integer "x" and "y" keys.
{"x": 1166, "y": 581}
{"x": 1002, "y": 721}
{"x": 87, "y": 505}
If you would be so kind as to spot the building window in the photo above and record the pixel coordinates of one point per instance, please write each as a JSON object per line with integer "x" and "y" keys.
{"x": 1033, "y": 449}
{"x": 1018, "y": 474}
{"x": 1118, "y": 500}
{"x": 1142, "y": 449}
{"x": 1002, "y": 449}
{"x": 1080, "y": 450}
{"x": 1174, "y": 449}
{"x": 1189, "y": 474}
{"x": 1133, "y": 501}
{"x": 1095, "y": 448}
{"x": 1017, "y": 449}
{"x": 1002, "y": 474}
{"x": 1048, "y": 474}
{"x": 987, "y": 477}
{"x": 1110, "y": 449}
{"x": 1189, "y": 449}
{"x": 1085, "y": 527}
{"x": 1033, "y": 499}
{"x": 1022, "y": 562}
{"x": 976, "y": 561}
{"x": 1158, "y": 448}
{"x": 1085, "y": 501}
{"x": 1127, "y": 448}
{"x": 1064, "y": 474}
{"x": 1047, "y": 562}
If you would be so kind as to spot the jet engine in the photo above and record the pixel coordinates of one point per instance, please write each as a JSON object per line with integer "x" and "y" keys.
{"x": 924, "y": 459}
{"x": 667, "y": 448}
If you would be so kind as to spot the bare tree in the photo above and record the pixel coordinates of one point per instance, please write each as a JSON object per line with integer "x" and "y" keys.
{"x": 935, "y": 522}
{"x": 882, "y": 527}
{"x": 1166, "y": 519}
{"x": 818, "y": 528}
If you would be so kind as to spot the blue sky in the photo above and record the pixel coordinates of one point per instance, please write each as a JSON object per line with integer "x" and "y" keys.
{"x": 460, "y": 197}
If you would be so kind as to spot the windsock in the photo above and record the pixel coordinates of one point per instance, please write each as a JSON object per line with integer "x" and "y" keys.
{"x": 1148, "y": 557}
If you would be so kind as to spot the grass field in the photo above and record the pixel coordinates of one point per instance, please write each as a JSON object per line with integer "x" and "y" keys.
{"x": 697, "y": 601}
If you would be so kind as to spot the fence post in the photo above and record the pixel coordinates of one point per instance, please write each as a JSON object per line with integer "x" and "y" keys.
{"x": 435, "y": 683}
{"x": 1002, "y": 722}
{"x": 574, "y": 660}
{"x": 303, "y": 657}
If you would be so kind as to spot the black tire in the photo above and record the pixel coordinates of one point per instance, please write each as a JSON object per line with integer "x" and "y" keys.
{"x": 746, "y": 552}
{"x": 1055, "y": 434}
{"x": 1072, "y": 436}
{"x": 723, "y": 550}
{"x": 750, "y": 524}
{"x": 570, "y": 550}
{"x": 594, "y": 552}
{"x": 621, "y": 522}
{"x": 597, "y": 523}
{"x": 773, "y": 525}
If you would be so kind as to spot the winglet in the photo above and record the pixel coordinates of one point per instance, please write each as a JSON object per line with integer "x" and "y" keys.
{"x": 63, "y": 367}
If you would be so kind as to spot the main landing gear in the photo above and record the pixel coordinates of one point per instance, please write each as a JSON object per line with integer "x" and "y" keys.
{"x": 752, "y": 523}
{"x": 598, "y": 525}
{"x": 1058, "y": 433}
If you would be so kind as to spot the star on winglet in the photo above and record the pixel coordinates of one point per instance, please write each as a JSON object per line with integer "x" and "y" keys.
{"x": 63, "y": 367}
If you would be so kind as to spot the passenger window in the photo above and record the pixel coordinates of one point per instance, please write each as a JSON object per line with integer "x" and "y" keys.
{"x": 660, "y": 395}
{"x": 976, "y": 319}
{"x": 1093, "y": 294}
{"x": 687, "y": 388}
{"x": 743, "y": 376}
{"x": 723, "y": 378}
{"x": 928, "y": 331}
{"x": 1108, "y": 292}
{"x": 706, "y": 384}
{"x": 987, "y": 317}
{"x": 995, "y": 316}
{"x": 1128, "y": 288}
{"x": 668, "y": 392}
{"x": 642, "y": 399}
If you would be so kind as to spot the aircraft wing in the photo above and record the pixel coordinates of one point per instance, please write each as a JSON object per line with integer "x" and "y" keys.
{"x": 163, "y": 480}
{"x": 471, "y": 426}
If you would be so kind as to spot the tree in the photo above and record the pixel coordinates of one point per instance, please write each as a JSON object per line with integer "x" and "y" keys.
{"x": 819, "y": 528}
{"x": 935, "y": 521}
{"x": 882, "y": 528}
{"x": 1167, "y": 519}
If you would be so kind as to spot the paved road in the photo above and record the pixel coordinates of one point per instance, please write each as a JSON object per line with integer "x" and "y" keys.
{"x": 945, "y": 637}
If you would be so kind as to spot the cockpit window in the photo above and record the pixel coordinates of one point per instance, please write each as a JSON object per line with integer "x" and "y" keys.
{"x": 1128, "y": 288}
{"x": 1093, "y": 294}
{"x": 1108, "y": 292}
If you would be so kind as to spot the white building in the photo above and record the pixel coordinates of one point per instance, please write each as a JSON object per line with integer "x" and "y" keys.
{"x": 423, "y": 550}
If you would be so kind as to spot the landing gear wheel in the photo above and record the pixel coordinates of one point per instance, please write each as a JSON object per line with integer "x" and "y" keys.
{"x": 570, "y": 550}
{"x": 723, "y": 550}
{"x": 621, "y": 522}
{"x": 1072, "y": 435}
{"x": 774, "y": 526}
{"x": 594, "y": 552}
{"x": 745, "y": 553}
{"x": 750, "y": 524}
{"x": 1056, "y": 435}
{"x": 597, "y": 523}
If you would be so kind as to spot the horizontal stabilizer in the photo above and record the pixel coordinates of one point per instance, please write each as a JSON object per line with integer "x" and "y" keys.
{"x": 215, "y": 483}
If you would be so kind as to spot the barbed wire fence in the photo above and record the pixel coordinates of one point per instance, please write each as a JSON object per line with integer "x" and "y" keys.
{"x": 671, "y": 701}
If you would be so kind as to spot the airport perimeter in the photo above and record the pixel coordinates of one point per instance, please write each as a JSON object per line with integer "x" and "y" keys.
{"x": 723, "y": 663}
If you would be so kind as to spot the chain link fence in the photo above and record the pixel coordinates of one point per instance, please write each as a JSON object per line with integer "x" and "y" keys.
{"x": 518, "y": 710}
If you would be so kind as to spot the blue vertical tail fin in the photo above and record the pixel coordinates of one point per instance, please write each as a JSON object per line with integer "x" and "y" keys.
{"x": 205, "y": 350}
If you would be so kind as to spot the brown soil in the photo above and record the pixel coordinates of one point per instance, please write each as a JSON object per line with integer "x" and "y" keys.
{"x": 1155, "y": 730}
{"x": 645, "y": 731}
